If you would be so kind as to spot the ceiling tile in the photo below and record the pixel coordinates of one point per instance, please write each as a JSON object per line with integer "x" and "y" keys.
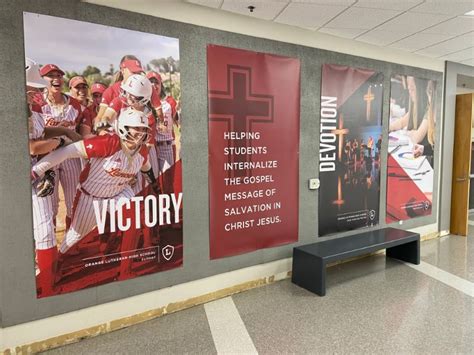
{"x": 388, "y": 5}
{"x": 327, "y": 2}
{"x": 382, "y": 38}
{"x": 308, "y": 15}
{"x": 451, "y": 7}
{"x": 209, "y": 3}
{"x": 461, "y": 55}
{"x": 412, "y": 22}
{"x": 266, "y": 10}
{"x": 468, "y": 62}
{"x": 361, "y": 18}
{"x": 455, "y": 26}
{"x": 451, "y": 45}
{"x": 419, "y": 41}
{"x": 342, "y": 32}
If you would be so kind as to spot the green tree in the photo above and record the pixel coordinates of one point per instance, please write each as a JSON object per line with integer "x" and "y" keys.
{"x": 160, "y": 65}
{"x": 90, "y": 70}
{"x": 111, "y": 71}
{"x": 164, "y": 65}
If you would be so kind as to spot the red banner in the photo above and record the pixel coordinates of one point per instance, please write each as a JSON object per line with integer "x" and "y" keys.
{"x": 254, "y": 102}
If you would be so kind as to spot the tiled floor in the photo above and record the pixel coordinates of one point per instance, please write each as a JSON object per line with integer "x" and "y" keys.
{"x": 373, "y": 305}
{"x": 185, "y": 332}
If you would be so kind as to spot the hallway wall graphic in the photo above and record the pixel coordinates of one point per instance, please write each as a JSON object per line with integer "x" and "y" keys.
{"x": 411, "y": 147}
{"x": 350, "y": 142}
{"x": 254, "y": 113}
{"x": 105, "y": 220}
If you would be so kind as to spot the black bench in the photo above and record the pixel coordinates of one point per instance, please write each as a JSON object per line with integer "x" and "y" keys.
{"x": 309, "y": 261}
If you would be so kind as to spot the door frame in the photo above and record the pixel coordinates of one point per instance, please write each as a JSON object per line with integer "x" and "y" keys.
{"x": 462, "y": 165}
{"x": 447, "y": 141}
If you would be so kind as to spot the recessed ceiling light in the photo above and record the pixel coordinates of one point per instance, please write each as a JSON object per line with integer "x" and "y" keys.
{"x": 470, "y": 13}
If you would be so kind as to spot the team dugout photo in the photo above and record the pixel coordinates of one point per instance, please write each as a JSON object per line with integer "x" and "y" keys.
{"x": 104, "y": 139}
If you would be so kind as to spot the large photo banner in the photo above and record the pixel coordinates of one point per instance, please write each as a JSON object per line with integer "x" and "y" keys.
{"x": 349, "y": 148}
{"x": 104, "y": 138}
{"x": 412, "y": 132}
{"x": 254, "y": 105}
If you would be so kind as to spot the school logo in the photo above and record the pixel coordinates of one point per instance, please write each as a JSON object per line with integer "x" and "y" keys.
{"x": 167, "y": 252}
{"x": 372, "y": 215}
{"x": 426, "y": 205}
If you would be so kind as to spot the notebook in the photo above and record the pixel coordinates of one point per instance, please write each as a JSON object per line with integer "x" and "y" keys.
{"x": 394, "y": 141}
{"x": 408, "y": 161}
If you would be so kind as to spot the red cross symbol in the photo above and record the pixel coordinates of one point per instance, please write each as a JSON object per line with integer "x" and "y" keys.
{"x": 239, "y": 107}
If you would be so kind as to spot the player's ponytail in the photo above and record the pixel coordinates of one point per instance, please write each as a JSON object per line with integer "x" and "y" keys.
{"x": 153, "y": 110}
{"x": 162, "y": 93}
{"x": 118, "y": 76}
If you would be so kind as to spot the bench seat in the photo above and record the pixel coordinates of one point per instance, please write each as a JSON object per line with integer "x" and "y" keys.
{"x": 309, "y": 261}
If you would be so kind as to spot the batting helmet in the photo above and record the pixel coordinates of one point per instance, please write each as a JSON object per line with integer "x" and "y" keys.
{"x": 139, "y": 86}
{"x": 131, "y": 118}
{"x": 33, "y": 77}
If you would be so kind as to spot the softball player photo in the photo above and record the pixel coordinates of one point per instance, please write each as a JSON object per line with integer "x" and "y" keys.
{"x": 104, "y": 140}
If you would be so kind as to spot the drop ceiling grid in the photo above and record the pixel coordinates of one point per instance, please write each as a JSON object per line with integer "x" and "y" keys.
{"x": 361, "y": 18}
{"x": 413, "y": 22}
{"x": 388, "y": 5}
{"x": 308, "y": 15}
{"x": 450, "y": 46}
{"x": 448, "y": 7}
{"x": 455, "y": 26}
{"x": 325, "y": 2}
{"x": 209, "y": 3}
{"x": 431, "y": 28}
{"x": 382, "y": 38}
{"x": 461, "y": 55}
{"x": 419, "y": 41}
{"x": 342, "y": 32}
{"x": 266, "y": 10}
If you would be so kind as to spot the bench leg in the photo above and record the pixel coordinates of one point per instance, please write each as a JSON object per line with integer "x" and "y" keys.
{"x": 309, "y": 272}
{"x": 409, "y": 252}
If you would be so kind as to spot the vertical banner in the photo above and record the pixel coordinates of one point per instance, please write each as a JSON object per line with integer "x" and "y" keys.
{"x": 412, "y": 132}
{"x": 349, "y": 148}
{"x": 254, "y": 106}
{"x": 105, "y": 142}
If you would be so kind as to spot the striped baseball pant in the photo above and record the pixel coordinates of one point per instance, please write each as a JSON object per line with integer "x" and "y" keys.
{"x": 43, "y": 226}
{"x": 165, "y": 155}
{"x": 153, "y": 158}
{"x": 67, "y": 173}
{"x": 165, "y": 161}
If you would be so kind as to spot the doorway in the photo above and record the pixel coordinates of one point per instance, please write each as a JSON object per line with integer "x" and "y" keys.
{"x": 462, "y": 202}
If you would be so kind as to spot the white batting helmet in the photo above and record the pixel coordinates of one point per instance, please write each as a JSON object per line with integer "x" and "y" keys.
{"x": 131, "y": 118}
{"x": 139, "y": 86}
{"x": 33, "y": 77}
